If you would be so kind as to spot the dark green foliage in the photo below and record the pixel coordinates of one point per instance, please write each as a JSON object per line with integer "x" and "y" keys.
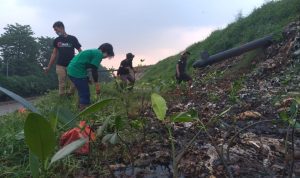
{"x": 30, "y": 85}
{"x": 22, "y": 60}
{"x": 19, "y": 49}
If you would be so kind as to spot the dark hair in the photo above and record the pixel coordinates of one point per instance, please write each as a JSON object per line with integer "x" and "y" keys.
{"x": 186, "y": 53}
{"x": 58, "y": 24}
{"x": 107, "y": 48}
{"x": 129, "y": 56}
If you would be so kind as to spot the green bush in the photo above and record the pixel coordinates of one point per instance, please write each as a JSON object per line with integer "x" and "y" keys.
{"x": 31, "y": 85}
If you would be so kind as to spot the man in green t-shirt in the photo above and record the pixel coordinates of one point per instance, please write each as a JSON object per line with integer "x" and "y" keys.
{"x": 77, "y": 70}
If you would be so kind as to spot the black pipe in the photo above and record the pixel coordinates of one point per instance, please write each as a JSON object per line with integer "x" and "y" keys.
{"x": 207, "y": 60}
{"x": 111, "y": 70}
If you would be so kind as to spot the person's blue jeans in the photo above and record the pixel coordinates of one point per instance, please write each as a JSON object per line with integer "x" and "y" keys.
{"x": 82, "y": 86}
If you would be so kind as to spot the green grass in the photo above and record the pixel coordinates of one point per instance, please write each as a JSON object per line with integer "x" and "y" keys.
{"x": 270, "y": 18}
{"x": 14, "y": 152}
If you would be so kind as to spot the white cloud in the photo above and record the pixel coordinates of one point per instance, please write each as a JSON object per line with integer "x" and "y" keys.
{"x": 151, "y": 29}
{"x": 11, "y": 12}
{"x": 174, "y": 41}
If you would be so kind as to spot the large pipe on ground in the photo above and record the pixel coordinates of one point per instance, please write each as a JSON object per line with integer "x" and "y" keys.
{"x": 110, "y": 70}
{"x": 207, "y": 60}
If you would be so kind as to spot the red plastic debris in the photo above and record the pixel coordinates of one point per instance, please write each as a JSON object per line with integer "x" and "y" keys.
{"x": 83, "y": 131}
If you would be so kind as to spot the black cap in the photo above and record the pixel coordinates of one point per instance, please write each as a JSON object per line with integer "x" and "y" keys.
{"x": 129, "y": 56}
{"x": 108, "y": 49}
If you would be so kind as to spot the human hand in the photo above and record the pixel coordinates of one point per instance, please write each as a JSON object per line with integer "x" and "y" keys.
{"x": 46, "y": 69}
{"x": 97, "y": 87}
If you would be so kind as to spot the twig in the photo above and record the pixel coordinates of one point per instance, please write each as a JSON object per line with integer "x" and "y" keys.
{"x": 110, "y": 171}
{"x": 293, "y": 151}
{"x": 175, "y": 170}
{"x": 286, "y": 150}
{"x": 243, "y": 129}
{"x": 90, "y": 140}
{"x": 129, "y": 151}
{"x": 180, "y": 155}
{"x": 218, "y": 152}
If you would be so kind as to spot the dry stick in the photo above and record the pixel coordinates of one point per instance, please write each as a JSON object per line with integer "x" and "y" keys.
{"x": 184, "y": 150}
{"x": 171, "y": 138}
{"x": 243, "y": 129}
{"x": 293, "y": 151}
{"x": 129, "y": 151}
{"x": 218, "y": 152}
{"x": 180, "y": 155}
{"x": 286, "y": 149}
{"x": 109, "y": 169}
{"x": 293, "y": 144}
{"x": 143, "y": 115}
{"x": 90, "y": 140}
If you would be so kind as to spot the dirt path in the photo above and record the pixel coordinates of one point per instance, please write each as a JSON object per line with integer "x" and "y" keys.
{"x": 11, "y": 106}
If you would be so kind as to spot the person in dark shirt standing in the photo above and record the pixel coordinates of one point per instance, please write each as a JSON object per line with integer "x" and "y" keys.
{"x": 126, "y": 71}
{"x": 181, "y": 74}
{"x": 64, "y": 48}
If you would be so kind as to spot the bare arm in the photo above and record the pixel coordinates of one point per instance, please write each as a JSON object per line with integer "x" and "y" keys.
{"x": 177, "y": 70}
{"x": 52, "y": 60}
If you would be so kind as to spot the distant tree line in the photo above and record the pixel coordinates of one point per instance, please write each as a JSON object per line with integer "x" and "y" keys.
{"x": 22, "y": 59}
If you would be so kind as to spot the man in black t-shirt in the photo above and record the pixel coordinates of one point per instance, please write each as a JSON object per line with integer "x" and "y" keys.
{"x": 181, "y": 74}
{"x": 64, "y": 48}
{"x": 126, "y": 71}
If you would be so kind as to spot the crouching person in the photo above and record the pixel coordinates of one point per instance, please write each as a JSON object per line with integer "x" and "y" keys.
{"x": 181, "y": 74}
{"x": 77, "y": 71}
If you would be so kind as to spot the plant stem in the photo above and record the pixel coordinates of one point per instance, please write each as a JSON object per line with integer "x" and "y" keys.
{"x": 243, "y": 129}
{"x": 180, "y": 155}
{"x": 175, "y": 171}
{"x": 217, "y": 150}
{"x": 286, "y": 150}
{"x": 129, "y": 151}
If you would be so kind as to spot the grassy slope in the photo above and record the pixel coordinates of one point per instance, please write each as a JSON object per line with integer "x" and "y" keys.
{"x": 270, "y": 18}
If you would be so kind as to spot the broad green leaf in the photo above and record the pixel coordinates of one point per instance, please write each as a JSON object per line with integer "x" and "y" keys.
{"x": 284, "y": 116}
{"x": 101, "y": 129}
{"x": 297, "y": 100}
{"x": 95, "y": 107}
{"x": 114, "y": 139}
{"x": 65, "y": 116}
{"x": 111, "y": 138}
{"x": 19, "y": 99}
{"x": 106, "y": 138}
{"x": 119, "y": 123}
{"x": 53, "y": 122}
{"x": 137, "y": 124}
{"x": 193, "y": 113}
{"x": 39, "y": 136}
{"x": 294, "y": 109}
{"x": 159, "y": 106}
{"x": 185, "y": 116}
{"x": 68, "y": 149}
{"x": 34, "y": 165}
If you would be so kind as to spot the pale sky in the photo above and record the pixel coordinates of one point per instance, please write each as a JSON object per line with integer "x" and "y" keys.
{"x": 150, "y": 29}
